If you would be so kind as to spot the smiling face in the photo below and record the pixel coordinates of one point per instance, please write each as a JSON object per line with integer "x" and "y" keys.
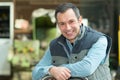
{"x": 69, "y": 24}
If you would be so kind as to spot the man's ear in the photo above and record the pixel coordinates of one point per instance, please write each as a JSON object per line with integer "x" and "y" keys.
{"x": 80, "y": 19}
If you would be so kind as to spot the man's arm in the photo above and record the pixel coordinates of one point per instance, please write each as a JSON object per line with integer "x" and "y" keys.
{"x": 94, "y": 58}
{"x": 41, "y": 69}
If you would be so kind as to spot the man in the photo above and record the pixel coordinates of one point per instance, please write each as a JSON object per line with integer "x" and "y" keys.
{"x": 79, "y": 52}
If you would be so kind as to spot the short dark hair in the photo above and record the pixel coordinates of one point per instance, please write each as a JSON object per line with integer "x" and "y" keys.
{"x": 65, "y": 6}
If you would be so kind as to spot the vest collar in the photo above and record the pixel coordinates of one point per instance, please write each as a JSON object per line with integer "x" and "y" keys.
{"x": 81, "y": 34}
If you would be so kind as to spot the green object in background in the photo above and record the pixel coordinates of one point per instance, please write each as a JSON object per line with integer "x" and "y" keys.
{"x": 44, "y": 31}
{"x": 51, "y": 34}
{"x": 26, "y": 53}
{"x": 25, "y": 62}
{"x": 20, "y": 60}
{"x": 40, "y": 27}
{"x": 15, "y": 60}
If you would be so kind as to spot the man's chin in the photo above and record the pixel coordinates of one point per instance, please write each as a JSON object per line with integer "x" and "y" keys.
{"x": 71, "y": 39}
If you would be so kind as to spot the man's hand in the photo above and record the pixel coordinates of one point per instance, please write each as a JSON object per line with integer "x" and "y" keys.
{"x": 60, "y": 73}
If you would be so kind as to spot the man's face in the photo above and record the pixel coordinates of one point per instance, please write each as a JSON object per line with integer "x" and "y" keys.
{"x": 69, "y": 24}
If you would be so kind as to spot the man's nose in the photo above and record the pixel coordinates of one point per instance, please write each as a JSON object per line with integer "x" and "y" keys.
{"x": 68, "y": 27}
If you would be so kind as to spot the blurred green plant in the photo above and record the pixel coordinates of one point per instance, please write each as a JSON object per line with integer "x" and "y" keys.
{"x": 25, "y": 53}
{"x": 42, "y": 25}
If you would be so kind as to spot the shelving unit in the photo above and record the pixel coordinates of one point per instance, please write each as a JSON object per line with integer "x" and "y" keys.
{"x": 4, "y": 22}
{"x": 6, "y": 35}
{"x": 19, "y": 33}
{"x": 22, "y": 31}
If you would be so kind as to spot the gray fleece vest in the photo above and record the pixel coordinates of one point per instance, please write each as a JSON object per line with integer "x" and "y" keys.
{"x": 62, "y": 55}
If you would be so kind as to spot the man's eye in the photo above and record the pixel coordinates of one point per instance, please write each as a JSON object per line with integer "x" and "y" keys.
{"x": 61, "y": 24}
{"x": 71, "y": 22}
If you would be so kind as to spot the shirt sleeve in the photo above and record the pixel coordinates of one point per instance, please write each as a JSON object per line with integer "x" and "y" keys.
{"x": 91, "y": 61}
{"x": 41, "y": 69}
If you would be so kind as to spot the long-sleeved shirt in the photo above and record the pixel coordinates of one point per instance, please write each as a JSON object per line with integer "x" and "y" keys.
{"x": 85, "y": 67}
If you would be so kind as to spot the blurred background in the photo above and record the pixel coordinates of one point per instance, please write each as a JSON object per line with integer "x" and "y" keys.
{"x": 27, "y": 27}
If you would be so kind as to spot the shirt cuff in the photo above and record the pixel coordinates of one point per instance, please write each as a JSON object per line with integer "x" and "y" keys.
{"x": 47, "y": 70}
